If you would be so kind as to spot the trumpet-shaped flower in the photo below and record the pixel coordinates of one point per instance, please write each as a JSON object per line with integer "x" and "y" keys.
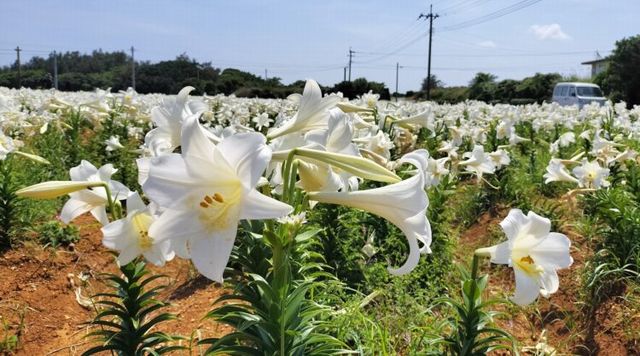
{"x": 6, "y": 146}
{"x": 168, "y": 118}
{"x": 113, "y": 143}
{"x": 478, "y": 162}
{"x": 313, "y": 112}
{"x": 534, "y": 252}
{"x": 130, "y": 236}
{"x": 556, "y": 172}
{"x": 591, "y": 175}
{"x": 404, "y": 204}
{"x": 205, "y": 192}
{"x": 93, "y": 199}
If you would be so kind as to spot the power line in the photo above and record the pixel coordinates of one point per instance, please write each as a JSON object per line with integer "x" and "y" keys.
{"x": 491, "y": 16}
{"x": 464, "y": 55}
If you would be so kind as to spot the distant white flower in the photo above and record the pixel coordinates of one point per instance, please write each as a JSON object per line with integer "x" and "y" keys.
{"x": 6, "y": 146}
{"x": 369, "y": 99}
{"x": 591, "y": 175}
{"x": 534, "y": 252}
{"x": 556, "y": 172}
{"x": 369, "y": 249}
{"x": 566, "y": 139}
{"x": 478, "y": 162}
{"x": 113, "y": 143}
{"x": 262, "y": 120}
{"x": 500, "y": 158}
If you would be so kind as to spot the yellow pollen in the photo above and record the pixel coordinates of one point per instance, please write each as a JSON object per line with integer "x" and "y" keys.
{"x": 141, "y": 224}
{"x": 527, "y": 259}
{"x": 220, "y": 211}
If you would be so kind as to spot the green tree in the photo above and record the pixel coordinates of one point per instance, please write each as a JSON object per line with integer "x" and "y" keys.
{"x": 435, "y": 83}
{"x": 622, "y": 78}
{"x": 483, "y": 87}
{"x": 539, "y": 87}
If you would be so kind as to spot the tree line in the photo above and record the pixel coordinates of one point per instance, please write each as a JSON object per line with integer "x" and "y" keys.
{"x": 104, "y": 70}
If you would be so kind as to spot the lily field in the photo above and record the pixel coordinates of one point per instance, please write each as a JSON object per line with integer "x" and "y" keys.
{"x": 151, "y": 224}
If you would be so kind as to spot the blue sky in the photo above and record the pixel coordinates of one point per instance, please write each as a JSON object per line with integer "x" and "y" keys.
{"x": 310, "y": 39}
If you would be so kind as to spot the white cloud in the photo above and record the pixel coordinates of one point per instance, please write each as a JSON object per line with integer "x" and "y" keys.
{"x": 487, "y": 44}
{"x": 549, "y": 32}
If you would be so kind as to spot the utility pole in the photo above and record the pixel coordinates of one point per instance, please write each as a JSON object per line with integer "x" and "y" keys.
{"x": 344, "y": 74}
{"x": 55, "y": 70}
{"x": 350, "y": 58}
{"x": 397, "y": 70}
{"x": 18, "y": 64}
{"x": 265, "y": 75}
{"x": 133, "y": 69}
{"x": 431, "y": 16}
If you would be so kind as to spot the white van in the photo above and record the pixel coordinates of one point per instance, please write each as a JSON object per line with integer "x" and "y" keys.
{"x": 579, "y": 94}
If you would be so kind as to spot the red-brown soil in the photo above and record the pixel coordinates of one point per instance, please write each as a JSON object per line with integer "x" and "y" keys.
{"x": 37, "y": 285}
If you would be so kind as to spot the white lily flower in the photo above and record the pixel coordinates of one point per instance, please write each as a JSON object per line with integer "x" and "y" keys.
{"x": 591, "y": 175}
{"x": 478, "y": 162}
{"x": 404, "y": 204}
{"x": 130, "y": 235}
{"x": 168, "y": 118}
{"x": 93, "y": 199}
{"x": 6, "y": 145}
{"x": 113, "y": 143}
{"x": 556, "y": 172}
{"x": 534, "y": 252}
{"x": 313, "y": 112}
{"x": 206, "y": 190}
{"x": 262, "y": 120}
{"x": 566, "y": 139}
{"x": 500, "y": 158}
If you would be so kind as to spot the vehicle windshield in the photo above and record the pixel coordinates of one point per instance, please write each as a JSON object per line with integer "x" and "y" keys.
{"x": 589, "y": 91}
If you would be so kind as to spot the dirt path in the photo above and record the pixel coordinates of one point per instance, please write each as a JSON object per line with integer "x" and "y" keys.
{"x": 38, "y": 300}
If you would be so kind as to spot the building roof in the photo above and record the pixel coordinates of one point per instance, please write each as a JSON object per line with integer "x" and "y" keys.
{"x": 596, "y": 61}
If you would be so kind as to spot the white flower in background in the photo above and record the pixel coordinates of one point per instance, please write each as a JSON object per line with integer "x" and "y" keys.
{"x": 168, "y": 118}
{"x": 514, "y": 139}
{"x": 478, "y": 162}
{"x": 534, "y": 252}
{"x": 591, "y": 175}
{"x": 557, "y": 172}
{"x": 6, "y": 146}
{"x": 113, "y": 143}
{"x": 313, "y": 112}
{"x": 500, "y": 158}
{"x": 205, "y": 191}
{"x": 369, "y": 99}
{"x": 130, "y": 235}
{"x": 404, "y": 204}
{"x": 262, "y": 120}
{"x": 450, "y": 148}
{"x": 503, "y": 129}
{"x": 566, "y": 139}
{"x": 436, "y": 170}
{"x": 380, "y": 144}
{"x": 423, "y": 119}
{"x": 94, "y": 199}
{"x": 369, "y": 249}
